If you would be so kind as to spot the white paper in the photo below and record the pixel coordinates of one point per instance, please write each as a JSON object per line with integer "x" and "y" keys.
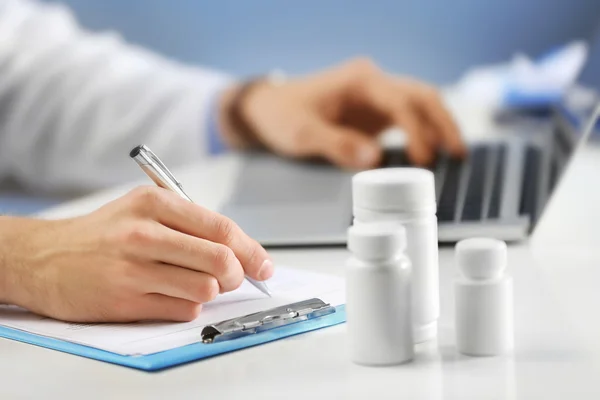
{"x": 287, "y": 286}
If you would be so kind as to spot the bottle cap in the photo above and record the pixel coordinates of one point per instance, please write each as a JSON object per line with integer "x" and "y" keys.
{"x": 394, "y": 189}
{"x": 481, "y": 258}
{"x": 377, "y": 240}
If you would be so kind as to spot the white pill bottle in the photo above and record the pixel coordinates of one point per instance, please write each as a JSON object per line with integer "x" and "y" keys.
{"x": 483, "y": 295}
{"x": 379, "y": 323}
{"x": 406, "y": 196}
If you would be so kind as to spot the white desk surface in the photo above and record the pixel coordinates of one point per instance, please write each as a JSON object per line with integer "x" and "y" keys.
{"x": 557, "y": 352}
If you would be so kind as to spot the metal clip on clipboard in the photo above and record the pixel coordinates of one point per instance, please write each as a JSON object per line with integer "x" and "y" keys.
{"x": 265, "y": 320}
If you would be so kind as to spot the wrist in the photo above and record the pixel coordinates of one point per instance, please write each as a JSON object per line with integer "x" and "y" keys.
{"x": 4, "y": 297}
{"x": 237, "y": 127}
{"x": 18, "y": 245}
{"x": 226, "y": 126}
{"x": 7, "y": 263}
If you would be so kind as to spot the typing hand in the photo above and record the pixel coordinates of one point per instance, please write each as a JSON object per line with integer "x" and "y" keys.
{"x": 338, "y": 113}
{"x": 147, "y": 255}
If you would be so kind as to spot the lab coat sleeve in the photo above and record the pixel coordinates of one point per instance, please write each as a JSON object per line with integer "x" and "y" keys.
{"x": 73, "y": 103}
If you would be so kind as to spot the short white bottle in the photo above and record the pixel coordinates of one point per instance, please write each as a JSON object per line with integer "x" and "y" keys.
{"x": 483, "y": 298}
{"x": 407, "y": 196}
{"x": 378, "y": 300}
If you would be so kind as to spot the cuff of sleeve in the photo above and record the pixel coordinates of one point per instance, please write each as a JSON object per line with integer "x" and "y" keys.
{"x": 216, "y": 145}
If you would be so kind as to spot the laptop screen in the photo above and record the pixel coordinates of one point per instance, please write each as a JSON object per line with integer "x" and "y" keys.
{"x": 571, "y": 120}
{"x": 585, "y": 93}
{"x": 590, "y": 76}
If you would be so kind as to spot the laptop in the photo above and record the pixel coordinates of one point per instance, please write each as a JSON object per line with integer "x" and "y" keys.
{"x": 500, "y": 190}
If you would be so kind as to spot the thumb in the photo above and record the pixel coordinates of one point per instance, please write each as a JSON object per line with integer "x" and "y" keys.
{"x": 344, "y": 146}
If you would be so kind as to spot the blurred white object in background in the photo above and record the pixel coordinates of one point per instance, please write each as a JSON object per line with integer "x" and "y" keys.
{"x": 523, "y": 82}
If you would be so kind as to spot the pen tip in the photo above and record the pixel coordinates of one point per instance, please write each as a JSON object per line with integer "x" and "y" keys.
{"x": 265, "y": 289}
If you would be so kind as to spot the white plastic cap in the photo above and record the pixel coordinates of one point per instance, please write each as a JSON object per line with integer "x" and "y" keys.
{"x": 481, "y": 258}
{"x": 377, "y": 240}
{"x": 394, "y": 189}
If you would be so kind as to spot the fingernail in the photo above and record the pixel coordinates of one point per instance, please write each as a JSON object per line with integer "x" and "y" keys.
{"x": 367, "y": 155}
{"x": 266, "y": 270}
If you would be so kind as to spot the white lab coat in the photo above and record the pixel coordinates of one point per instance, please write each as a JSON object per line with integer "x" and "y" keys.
{"x": 73, "y": 103}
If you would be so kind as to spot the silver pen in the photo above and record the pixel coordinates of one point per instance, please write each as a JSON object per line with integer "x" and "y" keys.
{"x": 160, "y": 174}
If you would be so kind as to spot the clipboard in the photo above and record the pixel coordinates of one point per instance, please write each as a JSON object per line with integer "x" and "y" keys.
{"x": 219, "y": 338}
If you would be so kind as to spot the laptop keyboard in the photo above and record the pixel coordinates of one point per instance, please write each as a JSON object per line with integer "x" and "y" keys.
{"x": 473, "y": 204}
{"x": 447, "y": 196}
{"x": 529, "y": 191}
{"x": 498, "y": 181}
{"x": 466, "y": 190}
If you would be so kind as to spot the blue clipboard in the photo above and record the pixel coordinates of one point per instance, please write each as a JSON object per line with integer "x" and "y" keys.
{"x": 184, "y": 354}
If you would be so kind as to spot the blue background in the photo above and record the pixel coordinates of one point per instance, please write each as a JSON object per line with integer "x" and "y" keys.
{"x": 431, "y": 39}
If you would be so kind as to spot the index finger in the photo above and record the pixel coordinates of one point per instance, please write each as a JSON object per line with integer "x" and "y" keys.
{"x": 383, "y": 94}
{"x": 179, "y": 214}
{"x": 253, "y": 257}
{"x": 431, "y": 105}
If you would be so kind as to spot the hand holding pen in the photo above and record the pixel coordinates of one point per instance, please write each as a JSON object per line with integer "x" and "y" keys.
{"x": 230, "y": 244}
{"x": 148, "y": 255}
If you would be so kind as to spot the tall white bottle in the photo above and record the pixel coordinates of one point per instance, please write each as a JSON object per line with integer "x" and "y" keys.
{"x": 378, "y": 300}
{"x": 407, "y": 196}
